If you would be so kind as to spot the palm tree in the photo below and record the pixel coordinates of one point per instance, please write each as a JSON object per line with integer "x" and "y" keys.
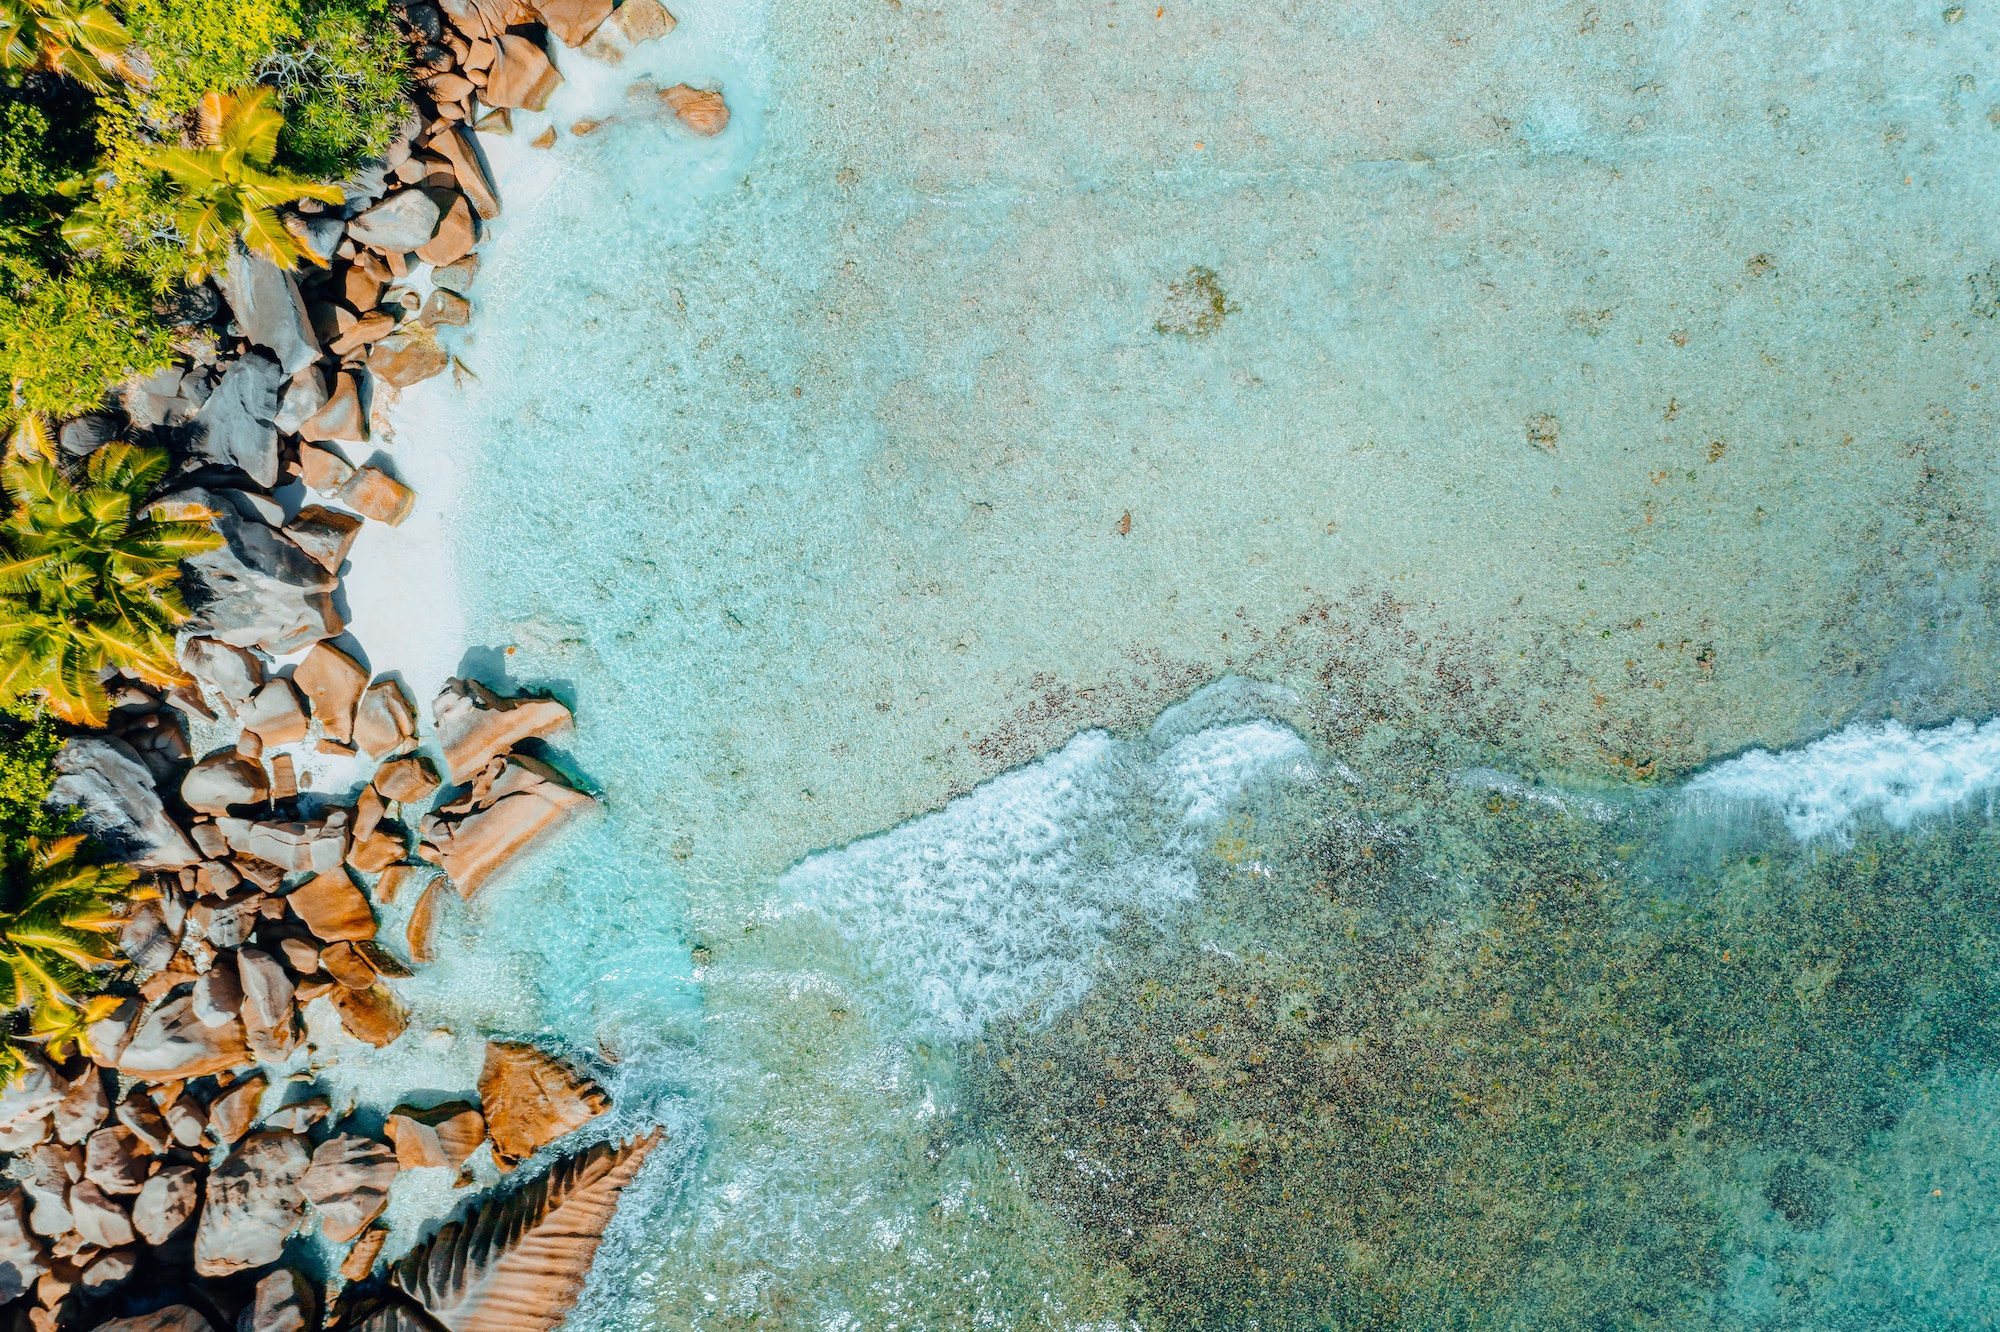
{"x": 57, "y": 915}
{"x": 85, "y": 585}
{"x": 224, "y": 189}
{"x": 83, "y": 40}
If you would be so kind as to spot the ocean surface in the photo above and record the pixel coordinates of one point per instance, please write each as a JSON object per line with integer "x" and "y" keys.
{"x": 1252, "y": 666}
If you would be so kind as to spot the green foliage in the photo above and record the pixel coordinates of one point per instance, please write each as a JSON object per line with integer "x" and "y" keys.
{"x": 203, "y": 46}
{"x": 28, "y": 745}
{"x": 64, "y": 338}
{"x": 341, "y": 87}
{"x": 85, "y": 584}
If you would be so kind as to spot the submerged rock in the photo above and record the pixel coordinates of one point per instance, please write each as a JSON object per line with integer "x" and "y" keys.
{"x": 700, "y": 110}
{"x": 530, "y": 1099}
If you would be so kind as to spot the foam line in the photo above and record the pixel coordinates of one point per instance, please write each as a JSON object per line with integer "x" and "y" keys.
{"x": 1882, "y": 767}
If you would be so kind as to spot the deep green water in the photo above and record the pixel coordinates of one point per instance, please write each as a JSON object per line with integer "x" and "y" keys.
{"x": 1541, "y": 404}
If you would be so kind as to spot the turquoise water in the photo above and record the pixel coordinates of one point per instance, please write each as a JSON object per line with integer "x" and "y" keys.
{"x": 1141, "y": 584}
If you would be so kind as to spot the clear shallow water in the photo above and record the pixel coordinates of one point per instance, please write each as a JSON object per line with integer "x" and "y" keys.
{"x": 1578, "y": 393}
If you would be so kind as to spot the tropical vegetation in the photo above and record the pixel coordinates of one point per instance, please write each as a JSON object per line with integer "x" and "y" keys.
{"x": 87, "y": 581}
{"x": 140, "y": 140}
{"x": 56, "y": 907}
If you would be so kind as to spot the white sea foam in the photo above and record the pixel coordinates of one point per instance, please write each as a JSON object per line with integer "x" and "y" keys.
{"x": 1000, "y": 904}
{"x": 1880, "y": 767}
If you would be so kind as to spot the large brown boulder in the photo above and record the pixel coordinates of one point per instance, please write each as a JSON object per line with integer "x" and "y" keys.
{"x": 474, "y": 724}
{"x": 172, "y": 1043}
{"x": 293, "y": 847}
{"x": 370, "y": 1015}
{"x": 333, "y": 682}
{"x": 573, "y": 20}
{"x": 517, "y": 1261}
{"x": 270, "y": 1022}
{"x": 410, "y": 355}
{"x": 531, "y": 1099}
{"x": 325, "y": 534}
{"x": 333, "y": 908}
{"x": 222, "y": 781}
{"x": 452, "y": 142}
{"x": 284, "y": 1302}
{"x": 373, "y": 493}
{"x": 253, "y": 1204}
{"x": 521, "y": 77}
{"x": 444, "y": 1135}
{"x": 514, "y": 801}
{"x": 386, "y": 722}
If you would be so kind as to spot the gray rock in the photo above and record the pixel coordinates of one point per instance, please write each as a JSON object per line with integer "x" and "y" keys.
{"x": 254, "y": 1204}
{"x": 269, "y": 309}
{"x": 168, "y": 396}
{"x": 234, "y": 428}
{"x": 86, "y": 434}
{"x": 257, "y": 589}
{"x": 304, "y": 394}
{"x": 457, "y": 277}
{"x": 366, "y": 185}
{"x": 166, "y": 1203}
{"x": 397, "y": 225}
{"x": 234, "y": 673}
{"x": 223, "y": 780}
{"x": 108, "y": 785}
{"x": 322, "y": 232}
{"x": 348, "y": 1183}
{"x": 21, "y": 1260}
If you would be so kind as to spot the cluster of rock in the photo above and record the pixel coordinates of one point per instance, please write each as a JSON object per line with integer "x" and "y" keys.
{"x": 188, "y": 1188}
{"x": 171, "y": 1166}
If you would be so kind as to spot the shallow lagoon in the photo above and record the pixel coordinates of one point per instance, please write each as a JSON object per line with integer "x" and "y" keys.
{"x": 1575, "y": 393}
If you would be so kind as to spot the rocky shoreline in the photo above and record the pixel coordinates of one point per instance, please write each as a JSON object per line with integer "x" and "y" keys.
{"x": 168, "y": 1175}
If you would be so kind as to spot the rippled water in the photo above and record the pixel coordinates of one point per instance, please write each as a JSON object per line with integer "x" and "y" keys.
{"x": 1141, "y": 583}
